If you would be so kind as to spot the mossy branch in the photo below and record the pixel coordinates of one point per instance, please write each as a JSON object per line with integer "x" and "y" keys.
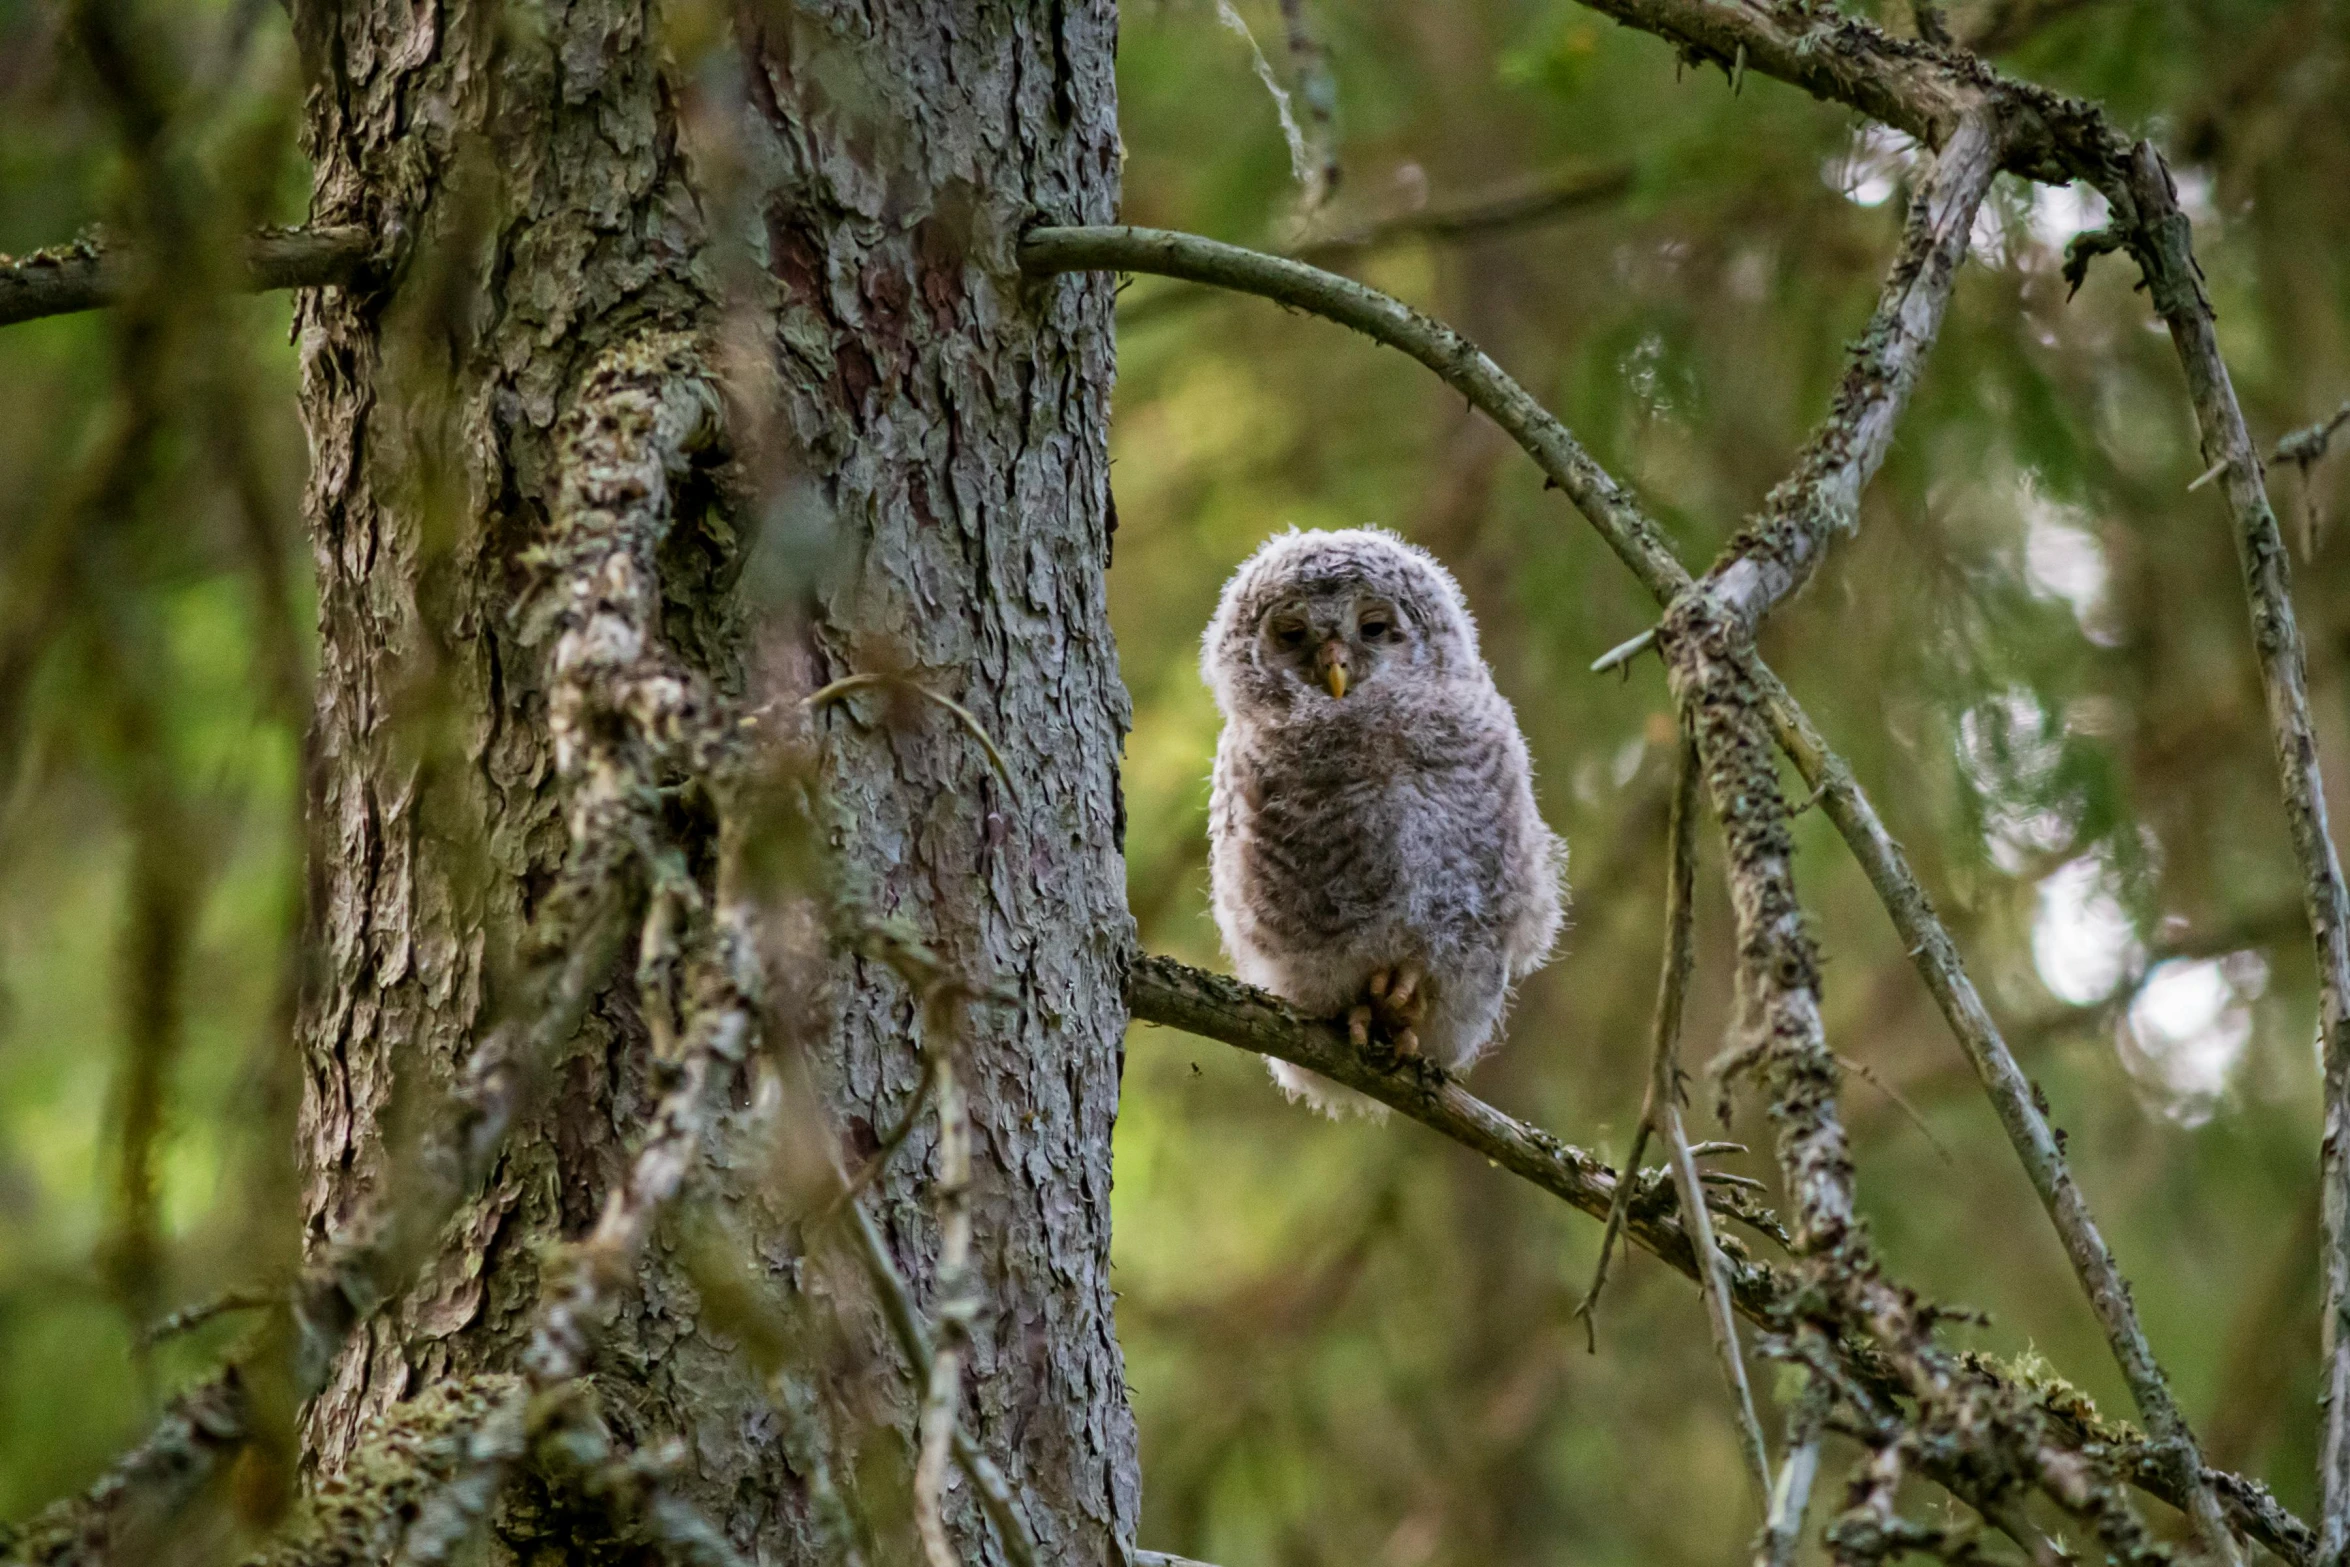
{"x": 1162, "y": 991}
{"x": 90, "y": 275}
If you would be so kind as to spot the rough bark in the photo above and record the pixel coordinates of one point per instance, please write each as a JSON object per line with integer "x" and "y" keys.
{"x": 923, "y": 490}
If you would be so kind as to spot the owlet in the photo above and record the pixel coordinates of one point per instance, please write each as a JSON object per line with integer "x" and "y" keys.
{"x": 1374, "y": 846}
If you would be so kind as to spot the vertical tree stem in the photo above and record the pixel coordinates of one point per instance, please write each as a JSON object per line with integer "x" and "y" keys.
{"x": 1665, "y": 1092}
{"x": 2148, "y": 220}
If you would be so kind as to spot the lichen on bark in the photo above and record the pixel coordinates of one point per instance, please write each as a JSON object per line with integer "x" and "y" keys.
{"x": 923, "y": 490}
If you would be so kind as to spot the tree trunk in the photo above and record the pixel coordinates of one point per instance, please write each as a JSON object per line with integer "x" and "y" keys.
{"x": 923, "y": 491}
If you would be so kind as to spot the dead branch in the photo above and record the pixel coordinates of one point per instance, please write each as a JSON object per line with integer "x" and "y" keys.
{"x": 1213, "y": 1006}
{"x": 996, "y": 1496}
{"x": 1660, "y": 1111}
{"x": 1665, "y": 1084}
{"x": 2147, "y": 221}
{"x": 90, "y": 274}
{"x": 1782, "y": 1529}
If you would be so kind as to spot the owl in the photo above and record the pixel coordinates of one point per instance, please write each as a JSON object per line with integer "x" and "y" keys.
{"x": 1375, "y": 851}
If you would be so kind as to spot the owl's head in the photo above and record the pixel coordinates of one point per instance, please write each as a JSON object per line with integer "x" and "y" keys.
{"x": 1319, "y": 619}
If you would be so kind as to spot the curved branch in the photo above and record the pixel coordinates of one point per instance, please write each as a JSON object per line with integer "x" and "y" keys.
{"x": 1522, "y": 204}
{"x": 1160, "y": 990}
{"x": 88, "y": 276}
{"x": 1461, "y": 364}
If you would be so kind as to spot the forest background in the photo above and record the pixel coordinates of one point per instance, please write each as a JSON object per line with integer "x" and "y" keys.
{"x": 1354, "y": 1342}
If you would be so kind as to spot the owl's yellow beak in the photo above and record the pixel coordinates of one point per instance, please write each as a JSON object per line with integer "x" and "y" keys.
{"x": 1330, "y": 659}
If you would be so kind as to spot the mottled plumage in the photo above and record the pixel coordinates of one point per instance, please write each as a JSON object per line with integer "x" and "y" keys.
{"x": 1374, "y": 844}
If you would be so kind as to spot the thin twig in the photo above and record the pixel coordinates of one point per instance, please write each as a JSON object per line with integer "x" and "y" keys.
{"x": 1876, "y": 1080}
{"x": 2304, "y": 449}
{"x": 996, "y": 1496}
{"x": 895, "y": 1139}
{"x": 1315, "y": 83}
{"x": 1624, "y": 652}
{"x": 825, "y": 696}
{"x": 2307, "y": 444}
{"x": 1626, "y": 1185}
{"x": 1665, "y": 1089}
{"x": 189, "y": 1318}
{"x": 1302, "y": 164}
{"x": 1662, "y": 1085}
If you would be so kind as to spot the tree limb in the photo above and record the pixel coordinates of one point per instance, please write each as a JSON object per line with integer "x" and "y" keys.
{"x": 1162, "y": 991}
{"x": 2146, "y": 216}
{"x": 1519, "y": 204}
{"x": 1464, "y": 367}
{"x": 88, "y": 275}
{"x": 1640, "y": 543}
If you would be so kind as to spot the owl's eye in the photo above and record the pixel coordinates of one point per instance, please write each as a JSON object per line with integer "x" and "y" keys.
{"x": 1289, "y": 634}
{"x": 1377, "y": 628}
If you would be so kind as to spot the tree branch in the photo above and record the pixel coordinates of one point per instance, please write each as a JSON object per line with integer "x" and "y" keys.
{"x": 88, "y": 275}
{"x": 1777, "y": 553}
{"x": 1923, "y": 89}
{"x": 1461, "y": 365}
{"x": 1173, "y": 995}
{"x": 1660, "y": 1111}
{"x": 2013, "y": 1098}
{"x": 2147, "y": 218}
{"x": 996, "y": 1496}
{"x": 1160, "y": 990}
{"x": 1639, "y": 542}
{"x": 1518, "y": 205}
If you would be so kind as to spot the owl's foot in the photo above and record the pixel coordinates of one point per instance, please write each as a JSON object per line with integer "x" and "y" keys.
{"x": 1394, "y": 1002}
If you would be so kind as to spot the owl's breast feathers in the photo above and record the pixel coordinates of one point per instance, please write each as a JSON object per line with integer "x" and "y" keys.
{"x": 1384, "y": 816}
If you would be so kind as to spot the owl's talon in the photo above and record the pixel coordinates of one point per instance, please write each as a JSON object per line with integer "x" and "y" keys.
{"x": 1397, "y": 1000}
{"x": 1358, "y": 1027}
{"x": 1407, "y": 1043}
{"x": 1403, "y": 997}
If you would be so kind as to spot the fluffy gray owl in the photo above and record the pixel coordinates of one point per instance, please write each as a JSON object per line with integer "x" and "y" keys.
{"x": 1374, "y": 845}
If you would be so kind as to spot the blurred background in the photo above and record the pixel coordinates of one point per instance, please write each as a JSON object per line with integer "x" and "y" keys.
{"x": 1354, "y": 1343}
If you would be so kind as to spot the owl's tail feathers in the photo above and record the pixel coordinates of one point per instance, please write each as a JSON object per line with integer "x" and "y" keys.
{"x": 1330, "y": 1098}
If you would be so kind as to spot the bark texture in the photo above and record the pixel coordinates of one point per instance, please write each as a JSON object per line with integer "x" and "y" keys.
{"x": 923, "y": 491}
